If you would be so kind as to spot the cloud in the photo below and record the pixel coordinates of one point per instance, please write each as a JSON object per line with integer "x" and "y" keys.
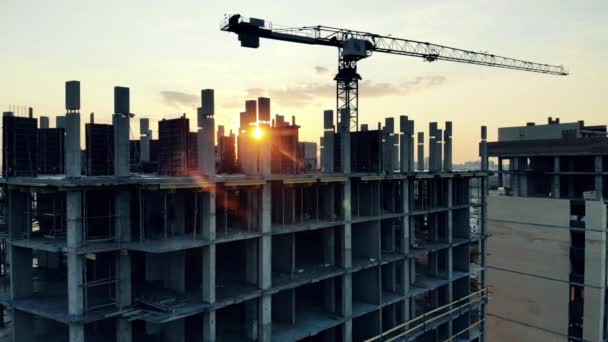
{"x": 321, "y": 70}
{"x": 308, "y": 93}
{"x": 178, "y": 99}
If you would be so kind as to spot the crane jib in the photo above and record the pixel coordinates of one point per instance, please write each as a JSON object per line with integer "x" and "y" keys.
{"x": 356, "y": 45}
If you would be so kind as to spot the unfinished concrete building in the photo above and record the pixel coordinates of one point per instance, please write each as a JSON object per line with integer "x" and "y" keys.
{"x": 383, "y": 254}
{"x": 547, "y": 226}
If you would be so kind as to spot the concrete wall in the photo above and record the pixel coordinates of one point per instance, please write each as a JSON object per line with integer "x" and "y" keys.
{"x": 535, "y": 132}
{"x": 505, "y": 331}
{"x": 536, "y": 301}
{"x": 526, "y": 248}
{"x": 542, "y": 211}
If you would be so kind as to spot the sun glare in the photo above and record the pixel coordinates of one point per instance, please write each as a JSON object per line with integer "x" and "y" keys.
{"x": 258, "y": 133}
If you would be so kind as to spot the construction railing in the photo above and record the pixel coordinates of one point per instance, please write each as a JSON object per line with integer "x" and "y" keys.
{"x": 404, "y": 329}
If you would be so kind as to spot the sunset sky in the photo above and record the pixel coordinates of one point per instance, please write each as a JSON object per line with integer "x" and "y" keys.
{"x": 166, "y": 51}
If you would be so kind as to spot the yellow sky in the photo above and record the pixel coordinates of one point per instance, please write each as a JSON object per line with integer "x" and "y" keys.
{"x": 167, "y": 51}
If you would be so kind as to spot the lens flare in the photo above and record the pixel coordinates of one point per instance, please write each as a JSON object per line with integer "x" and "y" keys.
{"x": 258, "y": 133}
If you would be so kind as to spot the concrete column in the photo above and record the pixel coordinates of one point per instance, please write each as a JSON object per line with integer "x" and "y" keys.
{"x": 447, "y": 147}
{"x": 484, "y": 148}
{"x": 75, "y": 263}
{"x": 411, "y": 145}
{"x": 556, "y": 180}
{"x": 208, "y": 231}
{"x": 405, "y": 242}
{"x": 404, "y": 142}
{"x": 328, "y": 141}
{"x": 206, "y": 133}
{"x": 433, "y": 147}
{"x": 44, "y": 122}
{"x": 346, "y": 263}
{"x": 523, "y": 178}
{"x": 120, "y": 121}
{"x": 438, "y": 148}
{"x": 145, "y": 135}
{"x": 60, "y": 121}
{"x": 72, "y": 145}
{"x": 264, "y": 157}
{"x": 500, "y": 174}
{"x": 121, "y": 145}
{"x": 122, "y": 223}
{"x": 209, "y": 326}
{"x": 514, "y": 166}
{"x": 265, "y": 265}
{"x": 420, "y": 151}
{"x": 20, "y": 260}
{"x": 388, "y": 145}
{"x": 598, "y": 176}
{"x": 345, "y": 141}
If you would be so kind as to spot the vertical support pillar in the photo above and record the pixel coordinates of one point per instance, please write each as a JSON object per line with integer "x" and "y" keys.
{"x": 483, "y": 244}
{"x": 72, "y": 145}
{"x": 120, "y": 121}
{"x": 72, "y": 129}
{"x": 501, "y": 176}
{"x": 328, "y": 142}
{"x": 206, "y": 134}
{"x": 450, "y": 256}
{"x": 439, "y": 148}
{"x": 556, "y": 178}
{"x": 145, "y": 134}
{"x": 265, "y": 266}
{"x": 208, "y": 232}
{"x": 447, "y": 147}
{"x": 388, "y": 145}
{"x": 44, "y": 122}
{"x": 346, "y": 263}
{"x": 523, "y": 177}
{"x": 345, "y": 141}
{"x": 20, "y": 260}
{"x": 420, "y": 165}
{"x": 514, "y": 168}
{"x": 75, "y": 263}
{"x": 598, "y": 175}
{"x": 433, "y": 147}
{"x": 404, "y": 141}
{"x": 483, "y": 153}
{"x": 405, "y": 242}
{"x": 410, "y": 138}
{"x": 122, "y": 223}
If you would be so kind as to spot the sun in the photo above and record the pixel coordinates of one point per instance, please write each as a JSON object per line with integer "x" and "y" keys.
{"x": 258, "y": 133}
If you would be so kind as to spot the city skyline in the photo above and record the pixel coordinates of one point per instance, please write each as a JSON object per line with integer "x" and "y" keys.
{"x": 167, "y": 54}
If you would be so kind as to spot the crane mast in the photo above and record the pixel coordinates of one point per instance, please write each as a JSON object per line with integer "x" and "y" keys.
{"x": 356, "y": 45}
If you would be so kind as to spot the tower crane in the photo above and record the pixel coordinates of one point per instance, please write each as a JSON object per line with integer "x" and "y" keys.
{"x": 354, "y": 46}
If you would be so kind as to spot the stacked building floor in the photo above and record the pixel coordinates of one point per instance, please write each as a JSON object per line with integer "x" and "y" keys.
{"x": 261, "y": 255}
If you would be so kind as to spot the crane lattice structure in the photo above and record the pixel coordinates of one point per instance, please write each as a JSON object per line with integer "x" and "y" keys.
{"x": 356, "y": 45}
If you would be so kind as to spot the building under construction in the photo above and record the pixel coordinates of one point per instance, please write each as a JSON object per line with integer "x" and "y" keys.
{"x": 163, "y": 247}
{"x": 547, "y": 225}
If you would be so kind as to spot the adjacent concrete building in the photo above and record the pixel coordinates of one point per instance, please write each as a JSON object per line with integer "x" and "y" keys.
{"x": 547, "y": 227}
{"x": 254, "y": 256}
